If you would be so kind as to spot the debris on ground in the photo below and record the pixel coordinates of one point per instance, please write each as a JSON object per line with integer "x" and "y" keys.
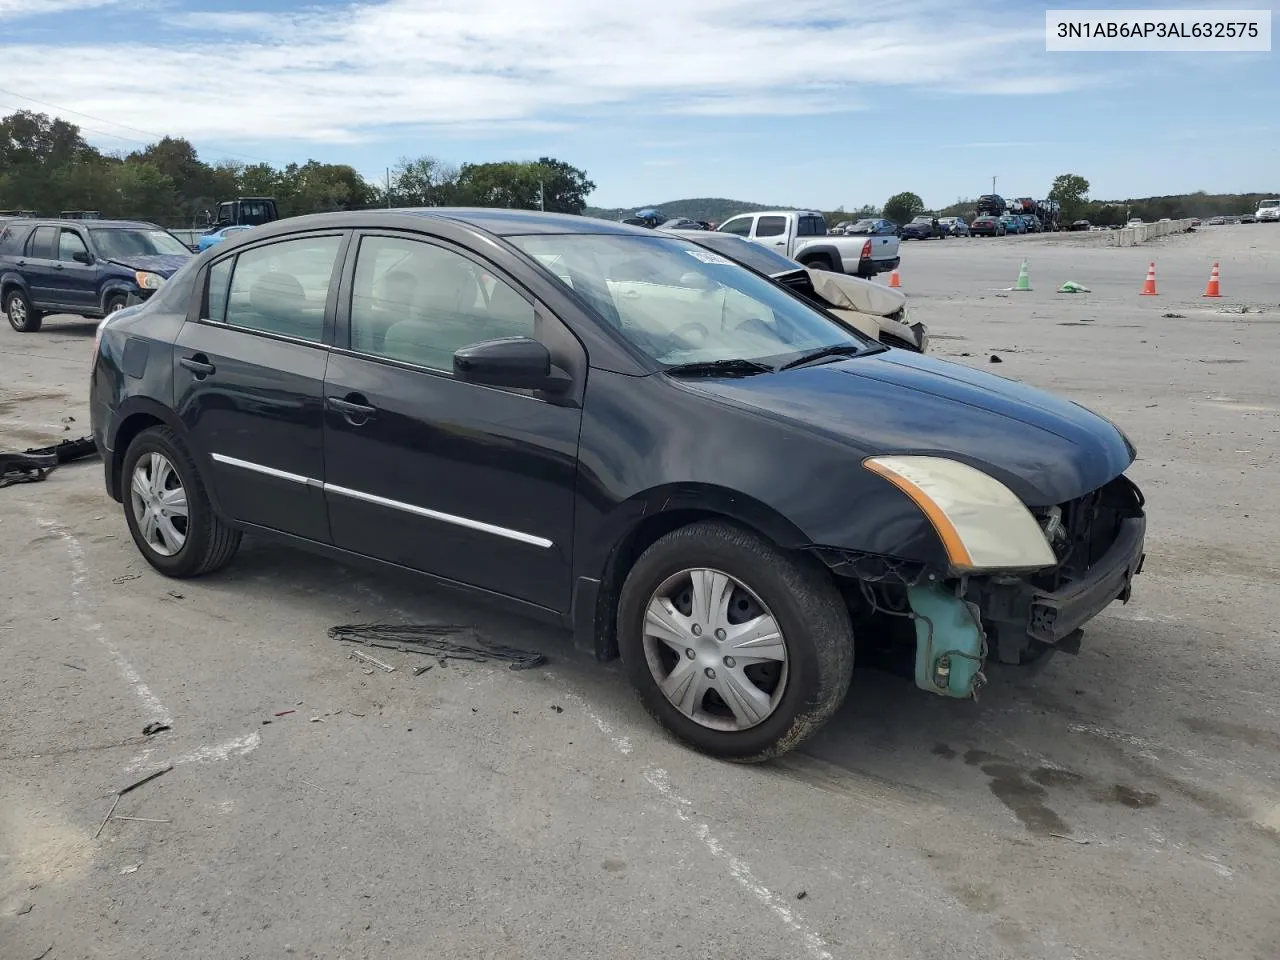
{"x": 126, "y": 578}
{"x": 151, "y": 729}
{"x": 75, "y": 667}
{"x": 365, "y": 658}
{"x": 1072, "y": 287}
{"x": 133, "y": 786}
{"x": 36, "y": 463}
{"x": 142, "y": 820}
{"x": 557, "y": 708}
{"x": 430, "y": 638}
{"x": 995, "y": 359}
{"x": 802, "y": 894}
{"x": 133, "y": 868}
{"x": 419, "y": 671}
{"x": 1173, "y": 316}
{"x": 285, "y": 713}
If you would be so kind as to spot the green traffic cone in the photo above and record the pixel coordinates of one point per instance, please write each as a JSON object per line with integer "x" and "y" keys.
{"x": 1024, "y": 280}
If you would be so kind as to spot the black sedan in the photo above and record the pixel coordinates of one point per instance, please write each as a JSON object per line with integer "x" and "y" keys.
{"x": 618, "y": 431}
{"x": 924, "y": 228}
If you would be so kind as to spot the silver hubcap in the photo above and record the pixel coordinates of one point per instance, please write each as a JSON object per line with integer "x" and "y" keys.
{"x": 159, "y": 504}
{"x": 715, "y": 650}
{"x": 115, "y": 307}
{"x": 17, "y": 311}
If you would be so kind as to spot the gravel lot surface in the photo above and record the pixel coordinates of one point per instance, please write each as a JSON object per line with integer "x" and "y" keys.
{"x": 1124, "y": 803}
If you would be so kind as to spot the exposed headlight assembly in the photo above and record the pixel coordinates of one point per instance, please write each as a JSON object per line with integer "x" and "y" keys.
{"x": 148, "y": 281}
{"x": 982, "y": 524}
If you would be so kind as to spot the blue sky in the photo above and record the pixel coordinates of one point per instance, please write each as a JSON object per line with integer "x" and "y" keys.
{"x": 803, "y": 102}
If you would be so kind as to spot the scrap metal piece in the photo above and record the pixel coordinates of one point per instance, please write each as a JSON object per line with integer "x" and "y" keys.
{"x": 374, "y": 660}
{"x": 430, "y": 639}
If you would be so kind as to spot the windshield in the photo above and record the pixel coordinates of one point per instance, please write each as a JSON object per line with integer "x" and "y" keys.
{"x": 1268, "y": 204}
{"x": 681, "y": 304}
{"x": 136, "y": 243}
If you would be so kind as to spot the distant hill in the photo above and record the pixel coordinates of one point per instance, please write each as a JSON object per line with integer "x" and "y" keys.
{"x": 716, "y": 209}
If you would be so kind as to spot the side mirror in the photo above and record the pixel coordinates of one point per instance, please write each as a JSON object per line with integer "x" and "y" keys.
{"x": 82, "y": 256}
{"x": 517, "y": 362}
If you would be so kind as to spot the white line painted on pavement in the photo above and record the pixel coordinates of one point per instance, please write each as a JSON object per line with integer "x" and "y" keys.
{"x": 79, "y": 577}
{"x": 738, "y": 868}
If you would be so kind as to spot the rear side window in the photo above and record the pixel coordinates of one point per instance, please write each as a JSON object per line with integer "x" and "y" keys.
{"x": 771, "y": 226}
{"x": 812, "y": 227}
{"x": 219, "y": 285}
{"x": 282, "y": 288}
{"x": 42, "y": 243}
{"x": 12, "y": 238}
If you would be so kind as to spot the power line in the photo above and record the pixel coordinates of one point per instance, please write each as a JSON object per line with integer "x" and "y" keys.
{"x": 101, "y": 133}
{"x": 123, "y": 126}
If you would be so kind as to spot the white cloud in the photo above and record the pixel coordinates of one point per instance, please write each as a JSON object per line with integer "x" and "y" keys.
{"x": 16, "y": 9}
{"x": 347, "y": 72}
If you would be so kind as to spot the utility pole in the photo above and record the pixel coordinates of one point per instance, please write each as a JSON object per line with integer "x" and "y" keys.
{"x": 388, "y": 188}
{"x": 993, "y": 184}
{"x": 542, "y": 197}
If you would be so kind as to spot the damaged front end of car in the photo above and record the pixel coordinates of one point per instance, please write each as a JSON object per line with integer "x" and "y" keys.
{"x": 1018, "y": 582}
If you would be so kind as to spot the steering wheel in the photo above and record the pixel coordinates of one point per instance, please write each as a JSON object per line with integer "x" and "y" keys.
{"x": 693, "y": 326}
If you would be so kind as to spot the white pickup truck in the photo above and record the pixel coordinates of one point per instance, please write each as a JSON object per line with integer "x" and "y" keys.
{"x": 802, "y": 236}
{"x": 1268, "y": 210}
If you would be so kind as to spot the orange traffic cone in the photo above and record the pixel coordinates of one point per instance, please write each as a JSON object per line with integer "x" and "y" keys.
{"x": 1149, "y": 288}
{"x": 894, "y": 279}
{"x": 1212, "y": 289}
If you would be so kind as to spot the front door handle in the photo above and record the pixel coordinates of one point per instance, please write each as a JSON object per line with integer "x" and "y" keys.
{"x": 198, "y": 365}
{"x": 355, "y": 413}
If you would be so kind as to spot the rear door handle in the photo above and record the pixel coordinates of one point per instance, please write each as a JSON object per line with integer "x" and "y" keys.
{"x": 356, "y": 413}
{"x": 201, "y": 368}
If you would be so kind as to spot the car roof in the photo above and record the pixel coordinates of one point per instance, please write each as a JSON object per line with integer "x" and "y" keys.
{"x": 514, "y": 223}
{"x": 109, "y": 224}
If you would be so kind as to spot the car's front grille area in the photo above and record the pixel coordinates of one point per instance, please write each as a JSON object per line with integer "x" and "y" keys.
{"x": 1086, "y": 528}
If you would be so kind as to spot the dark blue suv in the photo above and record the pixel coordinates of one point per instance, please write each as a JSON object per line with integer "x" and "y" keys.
{"x": 87, "y": 268}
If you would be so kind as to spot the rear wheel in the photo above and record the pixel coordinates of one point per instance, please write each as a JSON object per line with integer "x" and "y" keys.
{"x": 22, "y": 316}
{"x": 168, "y": 510}
{"x": 737, "y": 647}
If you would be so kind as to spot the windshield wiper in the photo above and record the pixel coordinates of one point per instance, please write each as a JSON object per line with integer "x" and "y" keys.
{"x": 736, "y": 367}
{"x": 836, "y": 350}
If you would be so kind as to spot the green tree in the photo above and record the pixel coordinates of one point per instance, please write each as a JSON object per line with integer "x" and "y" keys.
{"x": 564, "y": 188}
{"x": 901, "y": 207}
{"x": 424, "y": 182}
{"x": 144, "y": 192}
{"x": 1072, "y": 191}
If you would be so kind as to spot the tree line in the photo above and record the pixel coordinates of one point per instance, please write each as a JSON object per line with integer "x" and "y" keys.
{"x": 47, "y": 167}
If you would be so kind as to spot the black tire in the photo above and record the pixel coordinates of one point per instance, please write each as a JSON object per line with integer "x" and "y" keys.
{"x": 821, "y": 263}
{"x": 114, "y": 302}
{"x": 210, "y": 541}
{"x": 22, "y": 316}
{"x": 804, "y": 601}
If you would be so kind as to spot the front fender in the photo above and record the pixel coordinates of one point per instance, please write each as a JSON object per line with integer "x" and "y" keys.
{"x": 113, "y": 287}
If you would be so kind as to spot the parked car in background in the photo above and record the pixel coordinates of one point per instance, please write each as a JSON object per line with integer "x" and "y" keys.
{"x": 88, "y": 268}
{"x": 991, "y": 204}
{"x": 1195, "y": 221}
{"x": 209, "y": 239}
{"x": 987, "y": 226}
{"x": 1248, "y": 218}
{"x": 870, "y": 308}
{"x": 715, "y": 488}
{"x": 924, "y": 227}
{"x": 1135, "y": 222}
{"x": 954, "y": 226}
{"x": 874, "y": 227}
{"x": 1268, "y": 211}
{"x": 802, "y": 236}
{"x": 1031, "y": 222}
{"x": 1013, "y": 223}
{"x": 1081, "y": 225}
{"x": 681, "y": 223}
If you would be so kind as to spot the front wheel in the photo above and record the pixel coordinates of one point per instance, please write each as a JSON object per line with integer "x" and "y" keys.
{"x": 115, "y": 303}
{"x": 22, "y": 316}
{"x": 168, "y": 511}
{"x": 739, "y": 648}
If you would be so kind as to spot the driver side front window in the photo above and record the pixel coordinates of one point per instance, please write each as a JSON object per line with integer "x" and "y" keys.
{"x": 739, "y": 226}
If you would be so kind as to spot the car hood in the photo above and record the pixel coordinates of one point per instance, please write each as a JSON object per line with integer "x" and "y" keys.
{"x": 164, "y": 264}
{"x": 1045, "y": 449}
{"x": 854, "y": 293}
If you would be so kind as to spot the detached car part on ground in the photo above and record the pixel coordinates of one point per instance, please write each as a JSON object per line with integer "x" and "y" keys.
{"x": 872, "y": 309}
{"x": 622, "y": 432}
